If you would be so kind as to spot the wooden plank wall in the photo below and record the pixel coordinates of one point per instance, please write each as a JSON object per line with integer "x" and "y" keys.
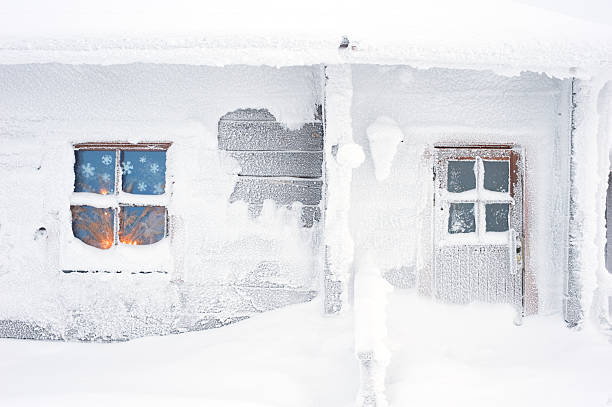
{"x": 276, "y": 163}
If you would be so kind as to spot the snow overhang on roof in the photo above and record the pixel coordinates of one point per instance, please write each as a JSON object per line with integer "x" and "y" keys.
{"x": 503, "y": 36}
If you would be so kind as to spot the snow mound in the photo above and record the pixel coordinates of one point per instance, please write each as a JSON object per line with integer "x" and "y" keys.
{"x": 442, "y": 355}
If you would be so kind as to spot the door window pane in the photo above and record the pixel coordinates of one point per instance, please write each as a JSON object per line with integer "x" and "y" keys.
{"x": 461, "y": 218}
{"x": 497, "y": 217}
{"x": 94, "y": 171}
{"x": 496, "y": 175}
{"x": 461, "y": 176}
{"x": 141, "y": 225}
{"x": 93, "y": 226}
{"x": 144, "y": 172}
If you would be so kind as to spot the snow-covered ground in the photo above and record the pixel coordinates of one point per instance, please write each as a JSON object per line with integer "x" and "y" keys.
{"x": 441, "y": 356}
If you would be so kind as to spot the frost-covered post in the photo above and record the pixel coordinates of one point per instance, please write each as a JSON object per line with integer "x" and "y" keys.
{"x": 371, "y": 291}
{"x": 341, "y": 156}
{"x": 587, "y": 276}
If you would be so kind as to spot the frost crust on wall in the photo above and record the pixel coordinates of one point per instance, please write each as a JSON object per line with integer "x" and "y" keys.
{"x": 457, "y": 106}
{"x": 339, "y": 247}
{"x": 219, "y": 264}
{"x": 588, "y": 283}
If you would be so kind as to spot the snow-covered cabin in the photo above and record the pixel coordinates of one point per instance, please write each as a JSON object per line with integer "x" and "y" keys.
{"x": 158, "y": 180}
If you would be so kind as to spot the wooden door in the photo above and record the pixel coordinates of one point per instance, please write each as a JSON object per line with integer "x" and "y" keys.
{"x": 478, "y": 224}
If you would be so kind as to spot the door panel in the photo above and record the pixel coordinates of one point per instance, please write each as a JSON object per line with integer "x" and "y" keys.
{"x": 478, "y": 224}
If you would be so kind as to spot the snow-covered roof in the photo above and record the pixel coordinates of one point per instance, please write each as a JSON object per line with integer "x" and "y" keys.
{"x": 499, "y": 35}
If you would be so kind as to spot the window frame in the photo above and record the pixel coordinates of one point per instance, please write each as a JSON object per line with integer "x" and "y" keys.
{"x": 118, "y": 199}
{"x": 479, "y": 195}
{"x": 478, "y": 154}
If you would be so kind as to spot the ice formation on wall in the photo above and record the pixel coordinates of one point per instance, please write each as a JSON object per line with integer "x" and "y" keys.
{"x": 384, "y": 136}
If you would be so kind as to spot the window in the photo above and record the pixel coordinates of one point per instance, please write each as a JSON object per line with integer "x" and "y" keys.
{"x": 478, "y": 195}
{"x": 119, "y": 193}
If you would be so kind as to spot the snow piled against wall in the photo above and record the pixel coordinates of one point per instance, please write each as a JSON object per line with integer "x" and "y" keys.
{"x": 443, "y": 355}
{"x": 219, "y": 263}
{"x": 462, "y": 106}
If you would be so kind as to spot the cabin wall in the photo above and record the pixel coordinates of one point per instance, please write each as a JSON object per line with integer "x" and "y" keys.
{"x": 217, "y": 265}
{"x": 458, "y": 106}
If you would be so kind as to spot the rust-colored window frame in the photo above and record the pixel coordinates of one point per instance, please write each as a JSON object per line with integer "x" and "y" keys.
{"x": 511, "y": 156}
{"x": 108, "y": 146}
{"x": 114, "y": 201}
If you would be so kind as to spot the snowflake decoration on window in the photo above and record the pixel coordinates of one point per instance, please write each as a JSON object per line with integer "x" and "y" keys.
{"x": 158, "y": 189}
{"x": 127, "y": 167}
{"x": 142, "y": 186}
{"x": 143, "y": 159}
{"x": 107, "y": 159}
{"x": 154, "y": 168}
{"x": 87, "y": 170}
{"x": 106, "y": 177}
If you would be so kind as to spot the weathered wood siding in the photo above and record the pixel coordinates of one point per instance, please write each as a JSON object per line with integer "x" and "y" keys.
{"x": 253, "y": 135}
{"x": 275, "y": 162}
{"x": 280, "y": 163}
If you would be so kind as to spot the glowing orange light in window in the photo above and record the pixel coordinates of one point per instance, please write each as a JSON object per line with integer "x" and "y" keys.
{"x": 106, "y": 244}
{"x": 93, "y": 226}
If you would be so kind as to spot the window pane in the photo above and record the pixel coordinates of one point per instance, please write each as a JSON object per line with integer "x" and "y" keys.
{"x": 497, "y": 217}
{"x": 144, "y": 172}
{"x": 142, "y": 224}
{"x": 94, "y": 171}
{"x": 496, "y": 175}
{"x": 461, "y": 176}
{"x": 94, "y": 226}
{"x": 461, "y": 218}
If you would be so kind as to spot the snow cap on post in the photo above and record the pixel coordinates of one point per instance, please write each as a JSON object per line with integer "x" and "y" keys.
{"x": 350, "y": 155}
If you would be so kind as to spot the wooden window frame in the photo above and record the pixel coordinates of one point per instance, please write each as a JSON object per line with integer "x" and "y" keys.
{"x": 483, "y": 152}
{"x": 156, "y": 146}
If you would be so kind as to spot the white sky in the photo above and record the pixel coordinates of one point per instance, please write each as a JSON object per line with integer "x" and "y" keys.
{"x": 599, "y": 11}
{"x": 556, "y": 28}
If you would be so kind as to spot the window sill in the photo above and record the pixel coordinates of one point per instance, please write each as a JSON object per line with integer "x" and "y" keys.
{"x": 153, "y": 258}
{"x": 114, "y": 200}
